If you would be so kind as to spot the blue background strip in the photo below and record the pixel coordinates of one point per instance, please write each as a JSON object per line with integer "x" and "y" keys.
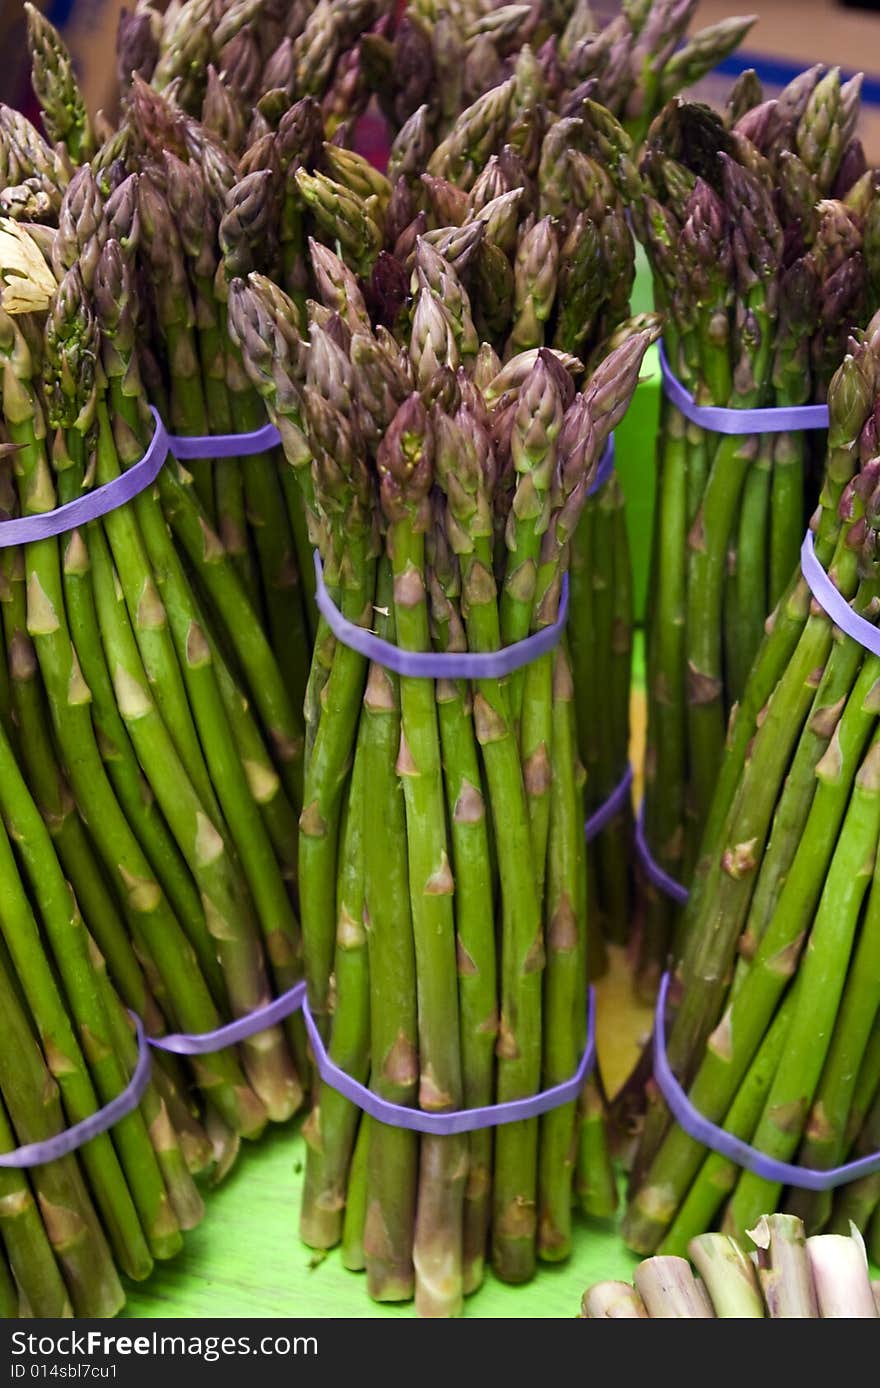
{"x": 777, "y": 72}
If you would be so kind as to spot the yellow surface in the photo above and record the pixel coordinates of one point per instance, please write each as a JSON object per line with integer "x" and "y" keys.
{"x": 622, "y": 1022}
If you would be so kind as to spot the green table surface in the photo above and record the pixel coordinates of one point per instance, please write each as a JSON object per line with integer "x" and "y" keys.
{"x": 245, "y": 1259}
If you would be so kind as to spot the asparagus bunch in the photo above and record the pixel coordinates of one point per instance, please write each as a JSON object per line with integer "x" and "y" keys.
{"x": 644, "y": 56}
{"x": 785, "y": 1275}
{"x": 774, "y": 1032}
{"x": 541, "y": 244}
{"x": 451, "y": 55}
{"x": 191, "y": 370}
{"x": 757, "y": 232}
{"x": 572, "y": 271}
{"x": 443, "y": 489}
{"x": 72, "y": 1225}
{"x": 128, "y": 705}
{"x": 240, "y": 66}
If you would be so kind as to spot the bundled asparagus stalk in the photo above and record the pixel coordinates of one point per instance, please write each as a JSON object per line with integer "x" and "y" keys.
{"x": 572, "y": 273}
{"x": 777, "y": 1007}
{"x": 190, "y": 369}
{"x": 451, "y": 532}
{"x": 127, "y": 704}
{"x": 451, "y": 55}
{"x": 571, "y": 276}
{"x": 784, "y": 1276}
{"x": 75, "y": 1222}
{"x": 758, "y": 231}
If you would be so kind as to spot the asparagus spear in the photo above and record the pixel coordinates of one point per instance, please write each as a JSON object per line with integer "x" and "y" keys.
{"x": 405, "y": 463}
{"x": 784, "y": 1267}
{"x": 332, "y": 1124}
{"x": 669, "y": 1290}
{"x": 64, "y": 111}
{"x": 840, "y": 1274}
{"x": 464, "y": 472}
{"x": 728, "y": 1275}
{"x": 393, "y": 1152}
{"x": 613, "y": 1299}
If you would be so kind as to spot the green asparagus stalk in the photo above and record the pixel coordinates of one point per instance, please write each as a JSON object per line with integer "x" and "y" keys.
{"x": 32, "y": 1101}
{"x": 728, "y": 1275}
{"x": 393, "y": 1152}
{"x": 461, "y": 474}
{"x": 405, "y": 464}
{"x": 64, "y": 111}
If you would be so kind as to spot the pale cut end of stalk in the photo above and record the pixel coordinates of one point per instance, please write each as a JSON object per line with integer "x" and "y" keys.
{"x": 613, "y": 1301}
{"x": 784, "y": 1268}
{"x": 728, "y": 1276}
{"x": 669, "y": 1290}
{"x": 840, "y": 1274}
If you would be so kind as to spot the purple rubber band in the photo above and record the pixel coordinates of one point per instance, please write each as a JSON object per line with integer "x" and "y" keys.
{"x": 653, "y": 871}
{"x": 260, "y": 440}
{"x": 438, "y": 665}
{"x": 777, "y": 419}
{"x": 52, "y": 1148}
{"x": 23, "y": 530}
{"x": 206, "y": 1042}
{"x": 610, "y": 807}
{"x": 605, "y": 468}
{"x": 465, "y": 1120}
{"x": 182, "y": 1043}
{"x": 733, "y": 1148}
{"x": 832, "y": 602}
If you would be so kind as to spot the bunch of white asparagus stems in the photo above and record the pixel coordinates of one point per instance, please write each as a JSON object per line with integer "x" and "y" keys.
{"x": 786, "y": 1275}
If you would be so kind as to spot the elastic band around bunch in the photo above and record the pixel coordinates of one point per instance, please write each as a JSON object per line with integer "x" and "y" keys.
{"x": 186, "y": 446}
{"x": 697, "y": 1126}
{"x": 831, "y": 600}
{"x": 652, "y": 869}
{"x": 610, "y": 807}
{"x": 718, "y": 419}
{"x": 605, "y": 468}
{"x": 396, "y": 1115}
{"x": 62, "y": 1144}
{"x": 182, "y": 1043}
{"x": 206, "y": 1042}
{"x": 438, "y": 665}
{"x": 464, "y": 1120}
{"x": 23, "y": 530}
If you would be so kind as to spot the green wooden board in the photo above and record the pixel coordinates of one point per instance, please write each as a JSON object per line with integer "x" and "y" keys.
{"x": 245, "y": 1259}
